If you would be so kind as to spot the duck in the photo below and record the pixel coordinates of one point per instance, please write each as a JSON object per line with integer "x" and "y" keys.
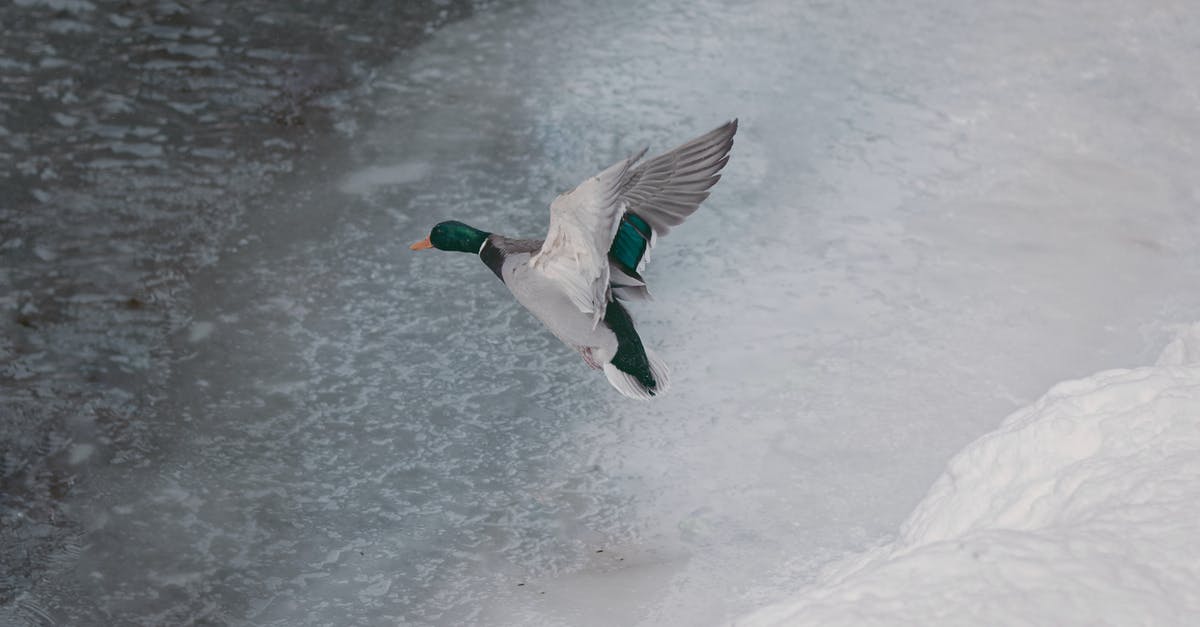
{"x": 579, "y": 277}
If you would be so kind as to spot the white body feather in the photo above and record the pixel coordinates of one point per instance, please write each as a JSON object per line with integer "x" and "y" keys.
{"x": 541, "y": 293}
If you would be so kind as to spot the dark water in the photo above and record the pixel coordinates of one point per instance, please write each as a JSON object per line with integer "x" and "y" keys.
{"x": 134, "y": 139}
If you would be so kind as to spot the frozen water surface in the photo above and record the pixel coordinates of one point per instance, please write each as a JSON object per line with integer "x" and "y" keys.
{"x": 933, "y": 213}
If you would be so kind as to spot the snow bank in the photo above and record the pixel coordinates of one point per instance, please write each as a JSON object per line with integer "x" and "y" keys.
{"x": 1081, "y": 509}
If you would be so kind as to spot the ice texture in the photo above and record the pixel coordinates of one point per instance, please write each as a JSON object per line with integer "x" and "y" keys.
{"x": 1081, "y": 509}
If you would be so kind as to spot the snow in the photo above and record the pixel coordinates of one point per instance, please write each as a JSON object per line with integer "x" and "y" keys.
{"x": 1081, "y": 509}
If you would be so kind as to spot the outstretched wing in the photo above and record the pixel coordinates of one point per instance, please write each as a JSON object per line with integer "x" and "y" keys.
{"x": 582, "y": 224}
{"x": 662, "y": 193}
{"x": 611, "y": 220}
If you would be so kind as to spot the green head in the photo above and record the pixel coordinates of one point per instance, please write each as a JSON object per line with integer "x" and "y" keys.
{"x": 453, "y": 235}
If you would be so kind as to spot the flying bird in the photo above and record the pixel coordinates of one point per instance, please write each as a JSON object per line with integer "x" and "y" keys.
{"x": 595, "y": 250}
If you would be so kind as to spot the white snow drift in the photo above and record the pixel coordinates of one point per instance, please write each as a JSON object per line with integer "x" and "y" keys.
{"x": 1081, "y": 509}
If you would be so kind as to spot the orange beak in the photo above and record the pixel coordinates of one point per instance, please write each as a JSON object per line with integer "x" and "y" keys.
{"x": 422, "y": 245}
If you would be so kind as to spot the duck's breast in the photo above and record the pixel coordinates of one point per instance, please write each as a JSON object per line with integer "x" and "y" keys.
{"x": 544, "y": 298}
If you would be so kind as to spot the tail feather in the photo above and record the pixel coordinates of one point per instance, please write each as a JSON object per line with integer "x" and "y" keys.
{"x": 660, "y": 370}
{"x": 631, "y": 369}
{"x": 626, "y": 384}
{"x": 632, "y": 387}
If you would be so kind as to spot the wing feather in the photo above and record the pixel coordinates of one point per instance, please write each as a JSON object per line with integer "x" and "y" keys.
{"x": 589, "y": 248}
{"x": 583, "y": 223}
{"x": 667, "y": 189}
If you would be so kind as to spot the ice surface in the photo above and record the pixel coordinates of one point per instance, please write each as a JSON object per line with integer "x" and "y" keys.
{"x": 1081, "y": 509}
{"x": 365, "y": 181}
{"x": 934, "y": 211}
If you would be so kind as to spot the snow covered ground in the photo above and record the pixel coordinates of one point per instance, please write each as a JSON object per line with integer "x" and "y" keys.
{"x": 1081, "y": 509}
{"x": 279, "y": 415}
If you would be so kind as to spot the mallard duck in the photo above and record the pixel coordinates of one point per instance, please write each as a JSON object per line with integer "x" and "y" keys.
{"x": 594, "y": 252}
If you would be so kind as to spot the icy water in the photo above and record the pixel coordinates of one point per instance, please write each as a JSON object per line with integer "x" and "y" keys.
{"x": 232, "y": 395}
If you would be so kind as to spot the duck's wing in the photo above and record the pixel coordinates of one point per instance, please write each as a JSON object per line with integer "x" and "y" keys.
{"x": 667, "y": 189}
{"x": 582, "y": 224}
{"x": 661, "y": 193}
{"x": 613, "y": 218}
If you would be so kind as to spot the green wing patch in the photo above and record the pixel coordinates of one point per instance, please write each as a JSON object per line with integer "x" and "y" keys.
{"x": 630, "y": 243}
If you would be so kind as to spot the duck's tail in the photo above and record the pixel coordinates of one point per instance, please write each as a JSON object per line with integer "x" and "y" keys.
{"x": 641, "y": 388}
{"x": 634, "y": 369}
